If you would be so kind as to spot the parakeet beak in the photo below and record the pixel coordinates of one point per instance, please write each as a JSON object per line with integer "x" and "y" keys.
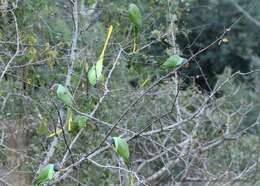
{"x": 111, "y": 142}
{"x": 53, "y": 87}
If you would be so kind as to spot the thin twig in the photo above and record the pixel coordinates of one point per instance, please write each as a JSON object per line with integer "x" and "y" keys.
{"x": 17, "y": 47}
{"x": 246, "y": 14}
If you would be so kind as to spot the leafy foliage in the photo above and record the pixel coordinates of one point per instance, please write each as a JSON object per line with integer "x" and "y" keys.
{"x": 199, "y": 125}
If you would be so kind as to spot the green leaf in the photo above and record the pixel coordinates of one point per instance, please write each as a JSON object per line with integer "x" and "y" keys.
{"x": 172, "y": 62}
{"x": 64, "y": 95}
{"x": 121, "y": 148}
{"x": 95, "y": 72}
{"x": 135, "y": 15}
{"x": 45, "y": 174}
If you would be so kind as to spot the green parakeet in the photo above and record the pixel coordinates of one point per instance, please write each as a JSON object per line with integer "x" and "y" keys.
{"x": 173, "y": 61}
{"x": 121, "y": 148}
{"x": 46, "y": 173}
{"x": 95, "y": 72}
{"x": 78, "y": 123}
{"x": 135, "y": 15}
{"x": 64, "y": 95}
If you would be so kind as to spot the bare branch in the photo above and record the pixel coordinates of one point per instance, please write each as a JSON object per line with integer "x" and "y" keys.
{"x": 246, "y": 14}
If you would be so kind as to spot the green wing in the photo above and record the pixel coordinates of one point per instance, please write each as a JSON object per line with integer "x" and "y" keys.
{"x": 64, "y": 95}
{"x": 78, "y": 123}
{"x": 45, "y": 174}
{"x": 135, "y": 15}
{"x": 81, "y": 121}
{"x": 172, "y": 62}
{"x": 95, "y": 73}
{"x": 122, "y": 149}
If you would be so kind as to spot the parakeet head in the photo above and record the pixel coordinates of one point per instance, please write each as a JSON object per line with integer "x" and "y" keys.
{"x": 54, "y": 87}
{"x": 111, "y": 141}
{"x": 57, "y": 167}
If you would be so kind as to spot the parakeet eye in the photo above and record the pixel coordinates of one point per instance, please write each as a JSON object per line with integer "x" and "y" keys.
{"x": 57, "y": 167}
{"x": 111, "y": 141}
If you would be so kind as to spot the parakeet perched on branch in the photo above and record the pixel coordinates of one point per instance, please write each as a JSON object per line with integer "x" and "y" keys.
{"x": 135, "y": 17}
{"x": 64, "y": 95}
{"x": 46, "y": 173}
{"x": 121, "y": 148}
